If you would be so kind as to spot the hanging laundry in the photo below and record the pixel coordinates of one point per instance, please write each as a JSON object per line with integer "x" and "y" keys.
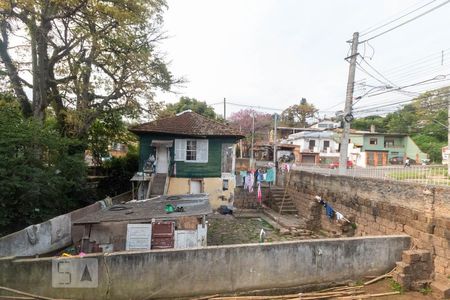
{"x": 259, "y": 193}
{"x": 249, "y": 181}
{"x": 264, "y": 177}
{"x": 329, "y": 211}
{"x": 288, "y": 167}
{"x": 339, "y": 216}
{"x": 260, "y": 177}
{"x": 270, "y": 175}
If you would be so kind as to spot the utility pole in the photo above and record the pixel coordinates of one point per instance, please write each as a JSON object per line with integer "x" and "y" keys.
{"x": 275, "y": 147}
{"x": 225, "y": 109}
{"x": 253, "y": 139}
{"x": 448, "y": 142}
{"x": 240, "y": 142}
{"x": 348, "y": 117}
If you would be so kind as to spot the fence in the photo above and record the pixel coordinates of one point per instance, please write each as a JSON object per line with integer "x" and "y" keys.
{"x": 428, "y": 174}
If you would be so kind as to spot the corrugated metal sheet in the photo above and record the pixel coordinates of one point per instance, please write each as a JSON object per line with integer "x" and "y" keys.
{"x": 163, "y": 235}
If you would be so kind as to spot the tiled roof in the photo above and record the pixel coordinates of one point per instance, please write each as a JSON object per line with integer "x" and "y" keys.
{"x": 187, "y": 123}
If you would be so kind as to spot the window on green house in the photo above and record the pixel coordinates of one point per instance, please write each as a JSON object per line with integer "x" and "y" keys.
{"x": 373, "y": 141}
{"x": 227, "y": 158}
{"x": 191, "y": 150}
{"x": 388, "y": 143}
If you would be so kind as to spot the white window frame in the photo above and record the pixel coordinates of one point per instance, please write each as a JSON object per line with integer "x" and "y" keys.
{"x": 202, "y": 150}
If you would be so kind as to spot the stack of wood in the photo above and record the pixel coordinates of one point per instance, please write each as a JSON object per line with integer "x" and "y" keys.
{"x": 355, "y": 293}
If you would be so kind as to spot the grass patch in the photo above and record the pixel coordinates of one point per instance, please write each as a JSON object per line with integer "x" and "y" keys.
{"x": 404, "y": 175}
{"x": 425, "y": 290}
{"x": 359, "y": 282}
{"x": 395, "y": 286}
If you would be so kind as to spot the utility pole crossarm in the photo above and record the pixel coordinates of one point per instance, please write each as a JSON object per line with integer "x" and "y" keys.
{"x": 348, "y": 106}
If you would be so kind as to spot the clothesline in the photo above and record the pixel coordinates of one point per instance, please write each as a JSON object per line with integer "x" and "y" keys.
{"x": 330, "y": 211}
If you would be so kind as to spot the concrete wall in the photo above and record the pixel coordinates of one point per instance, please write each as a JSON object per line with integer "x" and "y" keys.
{"x": 380, "y": 207}
{"x": 211, "y": 270}
{"x": 45, "y": 237}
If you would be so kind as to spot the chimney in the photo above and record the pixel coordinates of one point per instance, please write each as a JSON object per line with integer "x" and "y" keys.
{"x": 372, "y": 128}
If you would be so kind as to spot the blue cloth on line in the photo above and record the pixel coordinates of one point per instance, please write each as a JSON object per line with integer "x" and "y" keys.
{"x": 330, "y": 211}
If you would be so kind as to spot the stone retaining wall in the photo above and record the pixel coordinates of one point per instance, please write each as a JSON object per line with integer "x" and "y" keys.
{"x": 380, "y": 207}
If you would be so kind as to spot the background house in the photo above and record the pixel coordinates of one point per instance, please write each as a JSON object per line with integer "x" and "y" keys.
{"x": 192, "y": 154}
{"x": 381, "y": 149}
{"x": 324, "y": 144}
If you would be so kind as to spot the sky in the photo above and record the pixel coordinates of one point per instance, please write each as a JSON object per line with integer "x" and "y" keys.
{"x": 272, "y": 53}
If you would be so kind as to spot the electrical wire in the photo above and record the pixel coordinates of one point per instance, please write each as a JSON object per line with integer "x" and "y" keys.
{"x": 401, "y": 17}
{"x": 406, "y": 22}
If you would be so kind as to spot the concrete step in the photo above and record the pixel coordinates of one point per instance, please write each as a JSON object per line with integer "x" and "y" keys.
{"x": 289, "y": 212}
{"x": 286, "y": 200}
{"x": 287, "y": 206}
{"x": 441, "y": 289}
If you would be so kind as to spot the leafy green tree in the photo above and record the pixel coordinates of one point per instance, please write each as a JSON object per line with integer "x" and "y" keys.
{"x": 108, "y": 129}
{"x": 36, "y": 185}
{"x": 85, "y": 57}
{"x": 366, "y": 123}
{"x": 298, "y": 114}
{"x": 119, "y": 170}
{"x": 424, "y": 119}
{"x": 430, "y": 145}
{"x": 186, "y": 103}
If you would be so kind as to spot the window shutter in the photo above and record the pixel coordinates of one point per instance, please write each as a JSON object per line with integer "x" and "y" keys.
{"x": 180, "y": 149}
{"x": 202, "y": 151}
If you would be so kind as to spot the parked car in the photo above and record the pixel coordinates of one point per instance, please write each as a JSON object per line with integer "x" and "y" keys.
{"x": 399, "y": 160}
{"x": 335, "y": 165}
{"x": 396, "y": 160}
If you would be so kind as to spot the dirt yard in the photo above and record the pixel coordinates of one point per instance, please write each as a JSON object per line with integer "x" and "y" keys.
{"x": 227, "y": 229}
{"x": 388, "y": 285}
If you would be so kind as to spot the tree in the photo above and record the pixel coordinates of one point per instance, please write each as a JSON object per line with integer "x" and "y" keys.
{"x": 298, "y": 114}
{"x": 243, "y": 121}
{"x": 424, "y": 119}
{"x": 367, "y": 122}
{"x": 186, "y": 103}
{"x": 35, "y": 187}
{"x": 107, "y": 130}
{"x": 85, "y": 57}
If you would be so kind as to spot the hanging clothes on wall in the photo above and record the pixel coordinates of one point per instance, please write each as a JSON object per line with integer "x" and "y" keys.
{"x": 330, "y": 211}
{"x": 270, "y": 175}
{"x": 249, "y": 181}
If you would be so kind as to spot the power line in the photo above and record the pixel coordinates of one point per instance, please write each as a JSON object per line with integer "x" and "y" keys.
{"x": 248, "y": 106}
{"x": 406, "y": 22}
{"x": 401, "y": 17}
{"x": 419, "y": 99}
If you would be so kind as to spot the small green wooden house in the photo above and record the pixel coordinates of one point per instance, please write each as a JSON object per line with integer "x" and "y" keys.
{"x": 186, "y": 153}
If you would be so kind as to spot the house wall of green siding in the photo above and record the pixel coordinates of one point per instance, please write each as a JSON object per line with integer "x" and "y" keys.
{"x": 200, "y": 170}
{"x": 145, "y": 150}
{"x": 356, "y": 139}
{"x": 413, "y": 151}
{"x": 186, "y": 169}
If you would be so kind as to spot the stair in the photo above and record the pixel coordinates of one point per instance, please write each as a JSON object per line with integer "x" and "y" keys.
{"x": 158, "y": 183}
{"x": 276, "y": 199}
{"x": 441, "y": 289}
